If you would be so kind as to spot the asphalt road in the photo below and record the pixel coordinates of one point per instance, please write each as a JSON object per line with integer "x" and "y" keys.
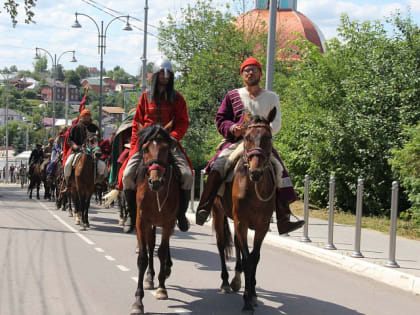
{"x": 48, "y": 267}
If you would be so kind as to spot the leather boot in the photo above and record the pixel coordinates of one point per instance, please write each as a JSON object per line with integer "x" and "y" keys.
{"x": 214, "y": 180}
{"x": 283, "y": 212}
{"x": 184, "y": 200}
{"x": 130, "y": 223}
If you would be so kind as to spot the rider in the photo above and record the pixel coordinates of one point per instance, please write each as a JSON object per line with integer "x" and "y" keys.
{"x": 57, "y": 149}
{"x": 77, "y": 137}
{"x": 37, "y": 156}
{"x": 257, "y": 101}
{"x": 161, "y": 105}
{"x": 106, "y": 147}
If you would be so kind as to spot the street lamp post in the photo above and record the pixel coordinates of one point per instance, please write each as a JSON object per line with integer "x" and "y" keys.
{"x": 55, "y": 61}
{"x": 101, "y": 51}
{"x": 6, "y": 117}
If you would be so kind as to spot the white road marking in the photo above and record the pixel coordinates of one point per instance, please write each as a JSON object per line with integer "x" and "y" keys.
{"x": 84, "y": 238}
{"x": 123, "y": 268}
{"x": 110, "y": 258}
{"x": 136, "y": 280}
{"x": 100, "y": 250}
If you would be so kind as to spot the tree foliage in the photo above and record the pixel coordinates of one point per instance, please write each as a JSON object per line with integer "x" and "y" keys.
{"x": 344, "y": 111}
{"x": 11, "y": 7}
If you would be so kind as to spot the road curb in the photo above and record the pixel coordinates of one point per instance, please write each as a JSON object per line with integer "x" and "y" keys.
{"x": 392, "y": 277}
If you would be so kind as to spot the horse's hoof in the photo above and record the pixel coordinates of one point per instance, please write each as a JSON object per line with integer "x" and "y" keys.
{"x": 225, "y": 289}
{"x": 121, "y": 222}
{"x": 161, "y": 294}
{"x": 77, "y": 221}
{"x": 235, "y": 284}
{"x": 148, "y": 285}
{"x": 137, "y": 309}
{"x": 248, "y": 309}
{"x": 70, "y": 214}
{"x": 254, "y": 301}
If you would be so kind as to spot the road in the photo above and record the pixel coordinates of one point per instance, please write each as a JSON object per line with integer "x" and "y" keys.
{"x": 48, "y": 267}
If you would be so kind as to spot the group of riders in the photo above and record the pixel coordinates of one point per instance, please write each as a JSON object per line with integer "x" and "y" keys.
{"x": 163, "y": 105}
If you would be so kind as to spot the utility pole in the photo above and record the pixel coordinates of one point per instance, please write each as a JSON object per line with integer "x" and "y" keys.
{"x": 6, "y": 140}
{"x": 271, "y": 48}
{"x": 144, "y": 58}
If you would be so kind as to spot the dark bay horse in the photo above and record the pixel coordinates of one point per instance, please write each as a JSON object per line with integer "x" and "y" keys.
{"x": 250, "y": 201}
{"x": 84, "y": 180}
{"x": 157, "y": 205}
{"x": 35, "y": 181}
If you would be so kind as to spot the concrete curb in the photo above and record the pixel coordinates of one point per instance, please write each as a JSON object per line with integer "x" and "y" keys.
{"x": 392, "y": 277}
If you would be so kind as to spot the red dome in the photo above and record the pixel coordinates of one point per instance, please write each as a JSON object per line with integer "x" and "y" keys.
{"x": 288, "y": 21}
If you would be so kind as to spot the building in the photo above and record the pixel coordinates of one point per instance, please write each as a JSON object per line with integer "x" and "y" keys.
{"x": 114, "y": 112}
{"x": 288, "y": 21}
{"x": 108, "y": 85}
{"x": 61, "y": 90}
{"x": 120, "y": 87}
{"x": 11, "y": 116}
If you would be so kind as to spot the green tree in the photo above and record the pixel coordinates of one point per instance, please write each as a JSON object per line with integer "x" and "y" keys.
{"x": 406, "y": 164}
{"x": 119, "y": 75}
{"x": 72, "y": 77}
{"x": 344, "y": 111}
{"x": 40, "y": 66}
{"x": 82, "y": 72}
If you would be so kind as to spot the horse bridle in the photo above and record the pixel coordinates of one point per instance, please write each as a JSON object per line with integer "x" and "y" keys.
{"x": 248, "y": 154}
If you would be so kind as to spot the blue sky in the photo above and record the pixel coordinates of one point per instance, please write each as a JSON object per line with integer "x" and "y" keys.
{"x": 53, "y": 18}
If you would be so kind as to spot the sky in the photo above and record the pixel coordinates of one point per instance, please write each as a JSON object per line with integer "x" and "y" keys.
{"x": 53, "y": 31}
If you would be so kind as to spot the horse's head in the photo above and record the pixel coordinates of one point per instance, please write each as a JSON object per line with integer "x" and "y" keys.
{"x": 154, "y": 145}
{"x": 92, "y": 145}
{"x": 257, "y": 143}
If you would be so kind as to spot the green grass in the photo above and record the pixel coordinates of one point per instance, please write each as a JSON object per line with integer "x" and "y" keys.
{"x": 405, "y": 229}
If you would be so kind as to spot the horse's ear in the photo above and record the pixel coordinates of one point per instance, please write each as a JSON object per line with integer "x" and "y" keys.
{"x": 169, "y": 125}
{"x": 272, "y": 114}
{"x": 247, "y": 117}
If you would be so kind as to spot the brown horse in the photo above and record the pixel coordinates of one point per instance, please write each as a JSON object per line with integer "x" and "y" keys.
{"x": 157, "y": 205}
{"x": 250, "y": 201}
{"x": 84, "y": 180}
{"x": 35, "y": 181}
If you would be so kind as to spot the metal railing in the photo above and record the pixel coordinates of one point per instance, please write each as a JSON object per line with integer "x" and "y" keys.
{"x": 359, "y": 210}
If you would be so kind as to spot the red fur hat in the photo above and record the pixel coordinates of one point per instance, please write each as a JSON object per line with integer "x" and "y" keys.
{"x": 251, "y": 61}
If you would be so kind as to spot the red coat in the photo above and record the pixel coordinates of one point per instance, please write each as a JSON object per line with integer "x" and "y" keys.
{"x": 147, "y": 113}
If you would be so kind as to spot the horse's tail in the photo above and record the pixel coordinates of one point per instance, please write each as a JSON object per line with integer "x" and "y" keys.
{"x": 228, "y": 243}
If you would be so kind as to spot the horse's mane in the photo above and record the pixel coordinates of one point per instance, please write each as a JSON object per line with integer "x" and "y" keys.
{"x": 148, "y": 133}
{"x": 258, "y": 119}
{"x": 151, "y": 132}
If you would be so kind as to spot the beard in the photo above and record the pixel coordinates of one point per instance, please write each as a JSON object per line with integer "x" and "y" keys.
{"x": 253, "y": 82}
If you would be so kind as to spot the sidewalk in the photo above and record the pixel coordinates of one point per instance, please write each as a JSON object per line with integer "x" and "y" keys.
{"x": 374, "y": 247}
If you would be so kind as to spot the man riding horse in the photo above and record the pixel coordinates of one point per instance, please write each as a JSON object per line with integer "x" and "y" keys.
{"x": 37, "y": 156}
{"x": 57, "y": 150}
{"x": 229, "y": 117}
{"x": 161, "y": 105}
{"x": 78, "y": 135}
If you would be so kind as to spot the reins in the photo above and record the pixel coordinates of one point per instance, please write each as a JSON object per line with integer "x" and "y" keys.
{"x": 160, "y": 206}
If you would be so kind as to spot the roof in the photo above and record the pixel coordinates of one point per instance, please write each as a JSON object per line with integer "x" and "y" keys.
{"x": 288, "y": 21}
{"x": 113, "y": 109}
{"x": 10, "y": 112}
{"x": 95, "y": 81}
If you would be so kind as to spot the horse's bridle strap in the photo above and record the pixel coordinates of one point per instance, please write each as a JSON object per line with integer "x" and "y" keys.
{"x": 155, "y": 166}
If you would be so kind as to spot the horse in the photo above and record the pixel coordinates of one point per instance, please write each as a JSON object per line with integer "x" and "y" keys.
{"x": 35, "y": 181}
{"x": 250, "y": 201}
{"x": 157, "y": 205}
{"x": 84, "y": 180}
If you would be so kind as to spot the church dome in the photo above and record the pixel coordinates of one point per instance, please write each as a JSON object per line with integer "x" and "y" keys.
{"x": 288, "y": 22}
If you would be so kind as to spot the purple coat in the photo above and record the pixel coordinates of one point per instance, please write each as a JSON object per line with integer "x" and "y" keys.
{"x": 230, "y": 115}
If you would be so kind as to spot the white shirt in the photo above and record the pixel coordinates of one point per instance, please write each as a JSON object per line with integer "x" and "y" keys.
{"x": 261, "y": 105}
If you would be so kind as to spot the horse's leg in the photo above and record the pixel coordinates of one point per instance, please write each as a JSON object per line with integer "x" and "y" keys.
{"x": 150, "y": 274}
{"x": 37, "y": 191}
{"x": 138, "y": 308}
{"x": 68, "y": 198}
{"x": 241, "y": 230}
{"x": 87, "y": 205}
{"x": 161, "y": 293}
{"x": 235, "y": 284}
{"x": 168, "y": 264}
{"x": 254, "y": 259}
{"x": 222, "y": 242}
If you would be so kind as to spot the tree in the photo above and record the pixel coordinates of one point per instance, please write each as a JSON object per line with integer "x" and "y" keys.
{"x": 72, "y": 77}
{"x": 11, "y": 7}
{"x": 41, "y": 65}
{"x": 119, "y": 75}
{"x": 13, "y": 68}
{"x": 344, "y": 111}
{"x": 82, "y": 72}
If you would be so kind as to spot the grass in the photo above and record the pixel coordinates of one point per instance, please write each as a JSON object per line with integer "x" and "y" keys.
{"x": 405, "y": 229}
